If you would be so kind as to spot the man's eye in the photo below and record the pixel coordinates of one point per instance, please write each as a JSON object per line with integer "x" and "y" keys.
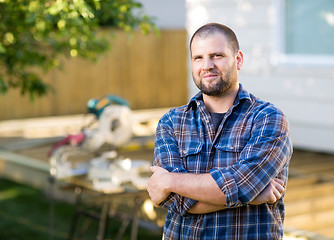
{"x": 197, "y": 58}
{"x": 218, "y": 56}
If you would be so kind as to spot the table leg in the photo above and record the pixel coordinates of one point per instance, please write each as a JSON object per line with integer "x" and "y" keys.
{"x": 134, "y": 228}
{"x": 103, "y": 221}
{"x": 78, "y": 193}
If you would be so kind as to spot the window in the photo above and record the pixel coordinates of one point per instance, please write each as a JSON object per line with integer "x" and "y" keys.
{"x": 309, "y": 27}
{"x": 305, "y": 33}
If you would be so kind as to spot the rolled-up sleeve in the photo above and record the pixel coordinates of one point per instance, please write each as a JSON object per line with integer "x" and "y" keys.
{"x": 265, "y": 156}
{"x": 167, "y": 156}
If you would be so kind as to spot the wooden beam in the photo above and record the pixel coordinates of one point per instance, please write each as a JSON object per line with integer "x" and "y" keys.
{"x": 309, "y": 191}
{"x": 309, "y": 205}
{"x": 312, "y": 221}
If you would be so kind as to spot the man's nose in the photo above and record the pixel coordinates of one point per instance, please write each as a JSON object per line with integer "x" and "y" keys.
{"x": 208, "y": 64}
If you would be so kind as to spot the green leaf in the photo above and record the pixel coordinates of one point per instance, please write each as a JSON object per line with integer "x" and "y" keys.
{"x": 34, "y": 34}
{"x": 2, "y": 48}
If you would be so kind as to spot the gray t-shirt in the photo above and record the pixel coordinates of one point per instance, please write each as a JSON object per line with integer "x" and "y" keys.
{"x": 217, "y": 118}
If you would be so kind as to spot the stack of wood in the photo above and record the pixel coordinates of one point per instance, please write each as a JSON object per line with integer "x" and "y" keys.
{"x": 310, "y": 194}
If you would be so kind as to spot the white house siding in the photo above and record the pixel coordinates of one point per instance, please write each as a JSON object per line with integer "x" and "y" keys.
{"x": 303, "y": 91}
{"x": 169, "y": 14}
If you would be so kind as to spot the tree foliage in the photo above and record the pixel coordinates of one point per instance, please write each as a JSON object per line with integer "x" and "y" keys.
{"x": 33, "y": 33}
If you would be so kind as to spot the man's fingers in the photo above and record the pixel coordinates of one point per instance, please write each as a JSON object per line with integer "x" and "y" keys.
{"x": 273, "y": 197}
{"x": 277, "y": 189}
{"x": 279, "y": 181}
{"x": 280, "y": 188}
{"x": 279, "y": 185}
{"x": 277, "y": 192}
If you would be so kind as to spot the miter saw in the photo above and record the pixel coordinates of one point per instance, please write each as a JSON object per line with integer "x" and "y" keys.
{"x": 76, "y": 154}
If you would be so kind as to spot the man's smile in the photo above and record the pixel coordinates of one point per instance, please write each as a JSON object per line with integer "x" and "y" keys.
{"x": 209, "y": 76}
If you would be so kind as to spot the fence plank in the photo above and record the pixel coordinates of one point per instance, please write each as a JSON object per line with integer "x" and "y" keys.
{"x": 149, "y": 71}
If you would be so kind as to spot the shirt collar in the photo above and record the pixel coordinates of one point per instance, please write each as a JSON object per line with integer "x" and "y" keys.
{"x": 198, "y": 98}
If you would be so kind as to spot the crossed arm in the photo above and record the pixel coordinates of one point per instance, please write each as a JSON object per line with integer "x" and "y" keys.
{"x": 203, "y": 188}
{"x": 265, "y": 155}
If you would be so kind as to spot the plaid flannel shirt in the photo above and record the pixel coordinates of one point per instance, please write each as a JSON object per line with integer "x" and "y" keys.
{"x": 250, "y": 148}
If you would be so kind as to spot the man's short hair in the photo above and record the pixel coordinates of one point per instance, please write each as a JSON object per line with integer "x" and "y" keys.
{"x": 212, "y": 28}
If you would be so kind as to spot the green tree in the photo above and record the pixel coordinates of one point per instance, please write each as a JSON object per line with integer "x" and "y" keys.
{"x": 33, "y": 34}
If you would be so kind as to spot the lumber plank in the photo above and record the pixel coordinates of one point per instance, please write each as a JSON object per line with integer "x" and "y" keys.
{"x": 313, "y": 221}
{"x": 301, "y": 181}
{"x": 309, "y": 205}
{"x": 327, "y": 232}
{"x": 309, "y": 191}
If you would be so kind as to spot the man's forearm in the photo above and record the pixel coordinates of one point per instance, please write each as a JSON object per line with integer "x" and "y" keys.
{"x": 203, "y": 208}
{"x": 270, "y": 194}
{"x": 200, "y": 187}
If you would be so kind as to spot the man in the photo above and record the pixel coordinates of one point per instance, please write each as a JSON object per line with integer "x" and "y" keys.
{"x": 222, "y": 159}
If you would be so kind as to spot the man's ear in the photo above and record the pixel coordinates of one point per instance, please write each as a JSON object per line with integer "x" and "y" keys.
{"x": 239, "y": 59}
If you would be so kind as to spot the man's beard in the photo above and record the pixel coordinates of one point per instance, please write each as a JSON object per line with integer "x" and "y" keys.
{"x": 218, "y": 88}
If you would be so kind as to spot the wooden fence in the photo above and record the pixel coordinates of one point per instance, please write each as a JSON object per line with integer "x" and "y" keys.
{"x": 148, "y": 71}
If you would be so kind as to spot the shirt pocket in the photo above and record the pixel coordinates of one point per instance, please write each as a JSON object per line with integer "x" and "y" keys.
{"x": 191, "y": 154}
{"x": 228, "y": 153}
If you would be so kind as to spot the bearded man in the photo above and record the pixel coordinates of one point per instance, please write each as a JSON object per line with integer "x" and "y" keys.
{"x": 221, "y": 161}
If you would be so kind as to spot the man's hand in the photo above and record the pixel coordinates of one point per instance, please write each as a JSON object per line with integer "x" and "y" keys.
{"x": 157, "y": 185}
{"x": 271, "y": 193}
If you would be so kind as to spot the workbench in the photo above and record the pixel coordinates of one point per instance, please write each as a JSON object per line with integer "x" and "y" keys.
{"x": 83, "y": 189}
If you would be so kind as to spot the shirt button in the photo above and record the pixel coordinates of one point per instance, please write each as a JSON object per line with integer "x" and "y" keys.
{"x": 207, "y": 121}
{"x": 184, "y": 152}
{"x": 198, "y": 103}
{"x": 231, "y": 147}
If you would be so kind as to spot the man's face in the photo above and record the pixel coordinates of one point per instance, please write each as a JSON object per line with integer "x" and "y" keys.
{"x": 214, "y": 64}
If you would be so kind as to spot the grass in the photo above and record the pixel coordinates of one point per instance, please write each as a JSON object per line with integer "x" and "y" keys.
{"x": 27, "y": 213}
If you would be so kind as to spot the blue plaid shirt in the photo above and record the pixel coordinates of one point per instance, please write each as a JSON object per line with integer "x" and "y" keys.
{"x": 250, "y": 148}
